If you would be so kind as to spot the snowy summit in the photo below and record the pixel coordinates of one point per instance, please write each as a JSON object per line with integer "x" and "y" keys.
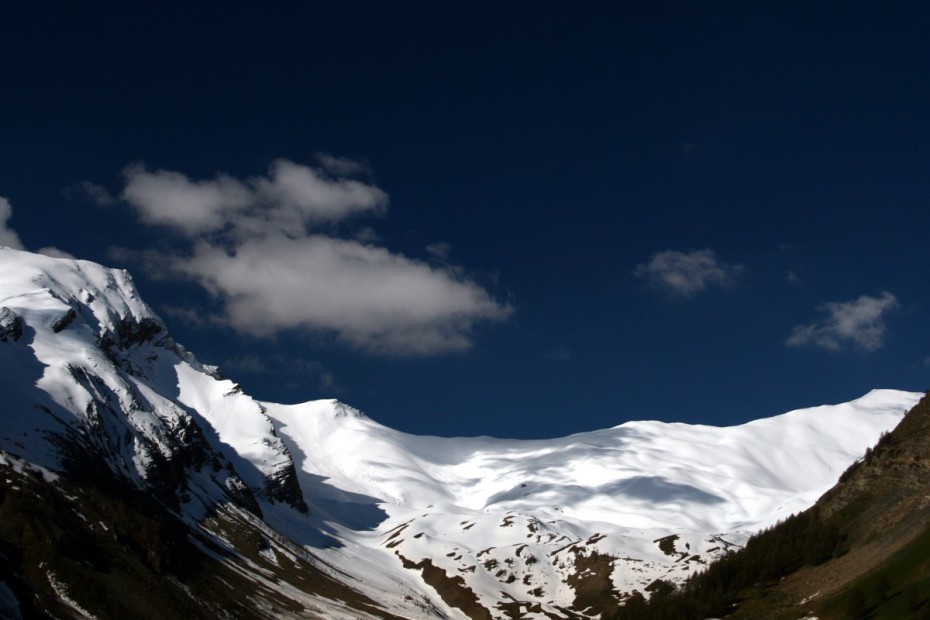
{"x": 88, "y": 365}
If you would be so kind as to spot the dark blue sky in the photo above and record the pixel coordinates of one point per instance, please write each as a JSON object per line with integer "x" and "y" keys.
{"x": 702, "y": 212}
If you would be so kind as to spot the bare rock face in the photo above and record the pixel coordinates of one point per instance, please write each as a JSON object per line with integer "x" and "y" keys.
{"x": 283, "y": 487}
{"x": 11, "y": 325}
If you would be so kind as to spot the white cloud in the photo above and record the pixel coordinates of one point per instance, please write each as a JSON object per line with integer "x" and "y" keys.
{"x": 859, "y": 323}
{"x": 288, "y": 200}
{"x": 342, "y": 166}
{"x": 98, "y": 194}
{"x": 311, "y": 196}
{"x": 368, "y": 297}
{"x": 440, "y": 251}
{"x": 8, "y": 236}
{"x": 190, "y": 207}
{"x": 255, "y": 246}
{"x": 54, "y": 252}
{"x": 687, "y": 273}
{"x": 367, "y": 235}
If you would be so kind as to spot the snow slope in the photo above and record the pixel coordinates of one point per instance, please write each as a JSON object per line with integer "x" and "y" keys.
{"x": 472, "y": 503}
{"x": 638, "y": 474}
{"x": 518, "y": 526}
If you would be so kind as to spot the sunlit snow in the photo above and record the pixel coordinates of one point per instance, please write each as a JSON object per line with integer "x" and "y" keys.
{"x": 510, "y": 517}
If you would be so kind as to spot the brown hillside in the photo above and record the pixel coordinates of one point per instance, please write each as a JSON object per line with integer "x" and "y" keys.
{"x": 882, "y": 507}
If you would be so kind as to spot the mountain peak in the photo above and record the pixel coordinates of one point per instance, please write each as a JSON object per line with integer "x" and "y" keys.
{"x": 342, "y": 410}
{"x": 112, "y": 382}
{"x": 94, "y": 383}
{"x": 110, "y": 295}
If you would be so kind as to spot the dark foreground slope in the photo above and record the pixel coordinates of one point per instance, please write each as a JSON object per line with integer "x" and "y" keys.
{"x": 863, "y": 551}
{"x": 97, "y": 547}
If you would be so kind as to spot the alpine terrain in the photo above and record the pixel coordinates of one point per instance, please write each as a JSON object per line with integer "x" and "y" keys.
{"x": 138, "y": 482}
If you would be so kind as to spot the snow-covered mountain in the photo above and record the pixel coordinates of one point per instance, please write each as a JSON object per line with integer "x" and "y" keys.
{"x": 418, "y": 527}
